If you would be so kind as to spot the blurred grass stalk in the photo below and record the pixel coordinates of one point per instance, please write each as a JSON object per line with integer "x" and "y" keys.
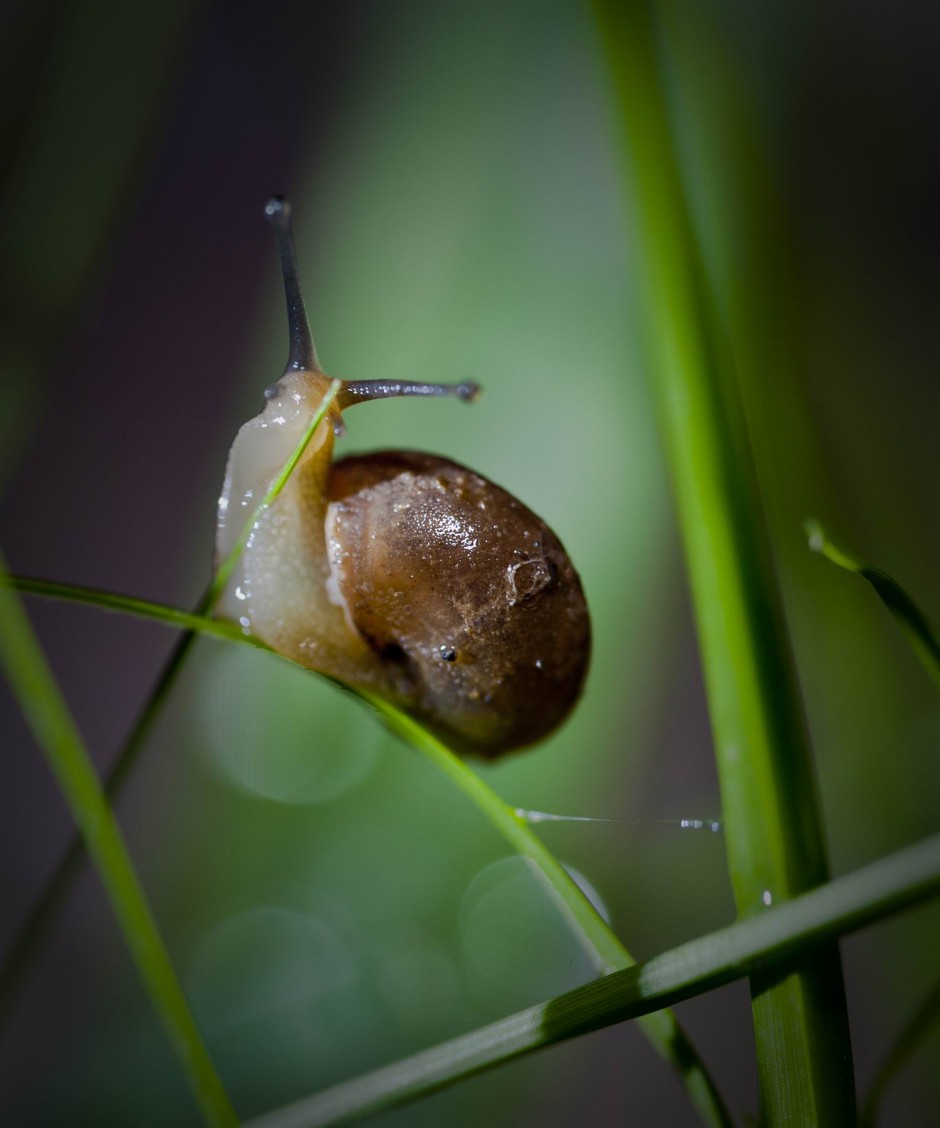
{"x": 55, "y": 732}
{"x": 769, "y": 805}
{"x": 602, "y": 945}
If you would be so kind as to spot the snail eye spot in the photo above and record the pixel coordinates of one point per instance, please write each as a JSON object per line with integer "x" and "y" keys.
{"x": 448, "y": 654}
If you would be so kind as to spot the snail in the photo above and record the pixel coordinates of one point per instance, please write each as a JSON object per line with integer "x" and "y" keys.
{"x": 396, "y": 572}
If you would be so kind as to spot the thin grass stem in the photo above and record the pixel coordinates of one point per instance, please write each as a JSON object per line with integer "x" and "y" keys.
{"x": 887, "y": 886}
{"x": 600, "y": 943}
{"x": 29, "y": 940}
{"x": 920, "y": 631}
{"x": 914, "y": 622}
{"x": 225, "y": 568}
{"x": 603, "y": 947}
{"x": 38, "y": 924}
{"x": 57, "y": 736}
{"x": 124, "y": 605}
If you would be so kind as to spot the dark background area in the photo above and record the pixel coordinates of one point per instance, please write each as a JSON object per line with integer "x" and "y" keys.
{"x": 460, "y": 214}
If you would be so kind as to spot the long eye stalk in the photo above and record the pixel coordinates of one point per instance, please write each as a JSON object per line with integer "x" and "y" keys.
{"x": 303, "y": 353}
{"x": 361, "y": 391}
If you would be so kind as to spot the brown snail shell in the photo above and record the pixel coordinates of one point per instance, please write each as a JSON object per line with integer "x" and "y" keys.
{"x": 469, "y": 597}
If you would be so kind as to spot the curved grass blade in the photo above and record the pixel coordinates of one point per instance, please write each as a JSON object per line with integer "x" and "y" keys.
{"x": 224, "y": 570}
{"x": 28, "y": 942}
{"x": 606, "y": 951}
{"x": 920, "y": 631}
{"x": 45, "y": 912}
{"x": 602, "y": 945}
{"x": 913, "y": 621}
{"x": 126, "y": 605}
{"x": 56, "y": 734}
{"x": 846, "y": 904}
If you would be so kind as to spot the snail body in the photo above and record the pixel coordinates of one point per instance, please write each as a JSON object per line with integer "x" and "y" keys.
{"x": 398, "y": 572}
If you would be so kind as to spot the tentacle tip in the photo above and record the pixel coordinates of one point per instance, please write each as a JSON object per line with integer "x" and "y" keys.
{"x": 468, "y": 391}
{"x": 277, "y": 209}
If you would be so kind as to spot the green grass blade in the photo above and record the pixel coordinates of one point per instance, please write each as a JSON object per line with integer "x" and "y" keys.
{"x": 601, "y": 944}
{"x": 844, "y": 905}
{"x": 224, "y": 570}
{"x": 769, "y": 807}
{"x": 603, "y": 947}
{"x": 28, "y": 942}
{"x": 920, "y": 631}
{"x": 125, "y": 605}
{"x": 52, "y": 725}
{"x": 913, "y": 621}
{"x": 42, "y": 917}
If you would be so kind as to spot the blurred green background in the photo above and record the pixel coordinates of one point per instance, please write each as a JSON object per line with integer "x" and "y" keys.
{"x": 331, "y": 904}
